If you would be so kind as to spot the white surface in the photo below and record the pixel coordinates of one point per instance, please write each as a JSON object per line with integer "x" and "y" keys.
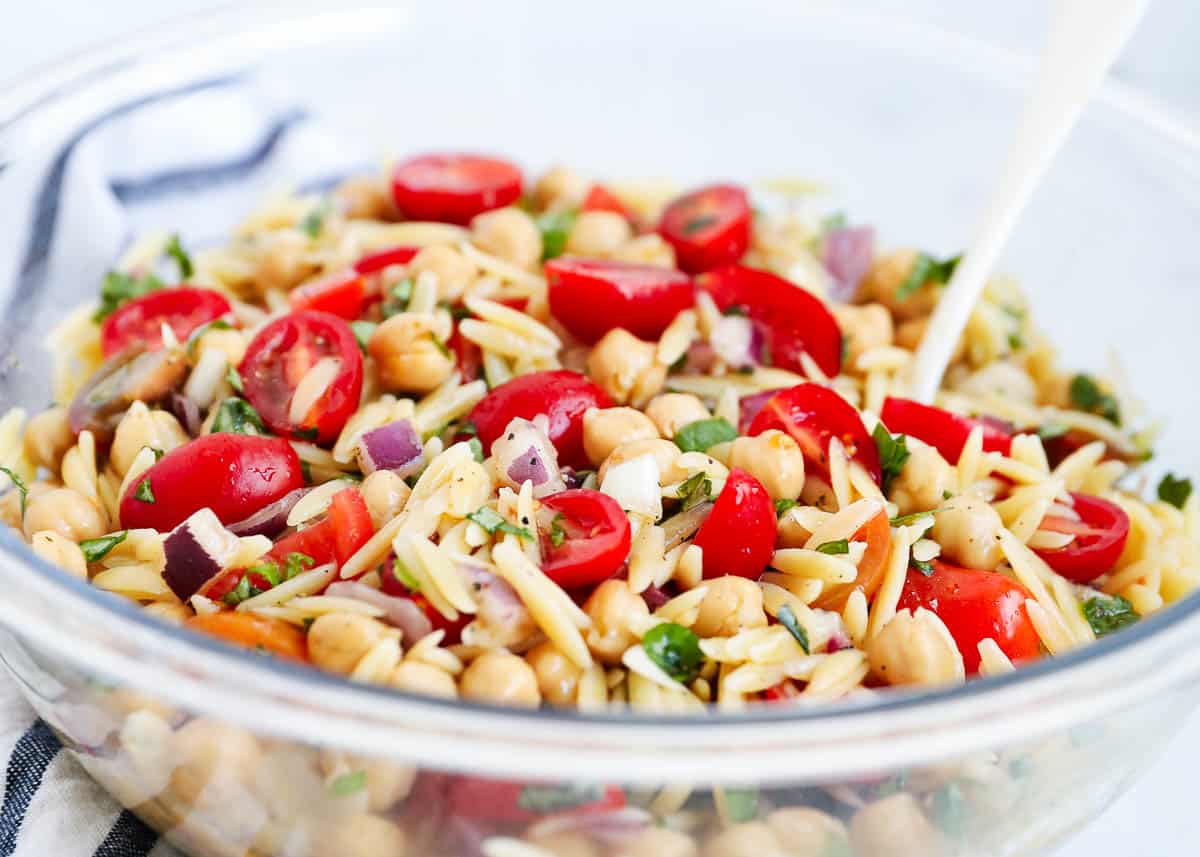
{"x": 1157, "y": 817}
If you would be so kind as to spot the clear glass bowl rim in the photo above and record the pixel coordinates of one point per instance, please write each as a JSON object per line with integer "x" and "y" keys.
{"x": 839, "y": 738}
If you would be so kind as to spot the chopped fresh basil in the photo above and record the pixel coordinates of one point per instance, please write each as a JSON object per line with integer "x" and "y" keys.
{"x": 893, "y": 452}
{"x": 466, "y": 427}
{"x": 237, "y": 416}
{"x": 476, "y": 448}
{"x": 926, "y": 269}
{"x": 1087, "y": 395}
{"x": 234, "y": 380}
{"x": 840, "y": 546}
{"x": 923, "y": 566}
{"x": 543, "y": 799}
{"x": 675, "y": 649}
{"x": 398, "y": 297}
{"x": 268, "y": 571}
{"x": 740, "y": 804}
{"x": 144, "y": 492}
{"x": 441, "y": 346}
{"x": 1050, "y": 431}
{"x": 557, "y": 534}
{"x": 555, "y": 226}
{"x": 314, "y": 222}
{"x": 783, "y": 505}
{"x": 158, "y": 453}
{"x": 905, "y": 520}
{"x": 95, "y": 550}
{"x": 704, "y": 434}
{"x": 788, "y": 619}
{"x": 295, "y": 563}
{"x": 348, "y": 784}
{"x": 306, "y": 472}
{"x": 175, "y": 250}
{"x": 362, "y": 332}
{"x": 401, "y": 573}
{"x": 1173, "y": 490}
{"x": 696, "y": 489}
{"x": 244, "y": 589}
{"x": 19, "y": 484}
{"x": 1016, "y": 341}
{"x": 118, "y": 287}
{"x": 494, "y": 522}
{"x": 1108, "y": 613}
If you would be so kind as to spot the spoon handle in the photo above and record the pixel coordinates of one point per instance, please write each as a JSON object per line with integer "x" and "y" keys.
{"x": 1084, "y": 39}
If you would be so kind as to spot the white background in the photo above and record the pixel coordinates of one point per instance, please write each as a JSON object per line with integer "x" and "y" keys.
{"x": 1159, "y": 816}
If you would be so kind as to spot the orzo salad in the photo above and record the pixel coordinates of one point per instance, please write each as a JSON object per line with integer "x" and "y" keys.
{"x": 587, "y": 444}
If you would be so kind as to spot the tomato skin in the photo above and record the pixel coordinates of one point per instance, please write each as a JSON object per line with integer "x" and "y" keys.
{"x": 277, "y": 359}
{"x": 235, "y": 475}
{"x": 351, "y": 523}
{"x": 738, "y": 537}
{"x": 708, "y": 227}
{"x": 1100, "y": 538}
{"x": 975, "y": 605}
{"x": 944, "y": 431}
{"x": 560, "y": 394}
{"x": 468, "y": 356}
{"x": 597, "y": 538}
{"x": 453, "y": 188}
{"x": 812, "y": 415}
{"x": 375, "y": 262}
{"x": 500, "y": 801}
{"x": 592, "y": 296}
{"x": 253, "y": 632}
{"x": 600, "y": 198}
{"x": 791, "y": 320}
{"x": 877, "y": 533}
{"x": 140, "y": 320}
{"x": 342, "y": 294}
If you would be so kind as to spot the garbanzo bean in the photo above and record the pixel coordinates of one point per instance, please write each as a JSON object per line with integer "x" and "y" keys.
{"x": 60, "y": 551}
{"x": 774, "y": 459}
{"x": 968, "y": 529}
{"x": 598, "y": 233}
{"x": 864, "y": 328}
{"x": 409, "y": 356}
{"x": 648, "y": 249}
{"x": 915, "y": 648}
{"x": 560, "y": 187}
{"x": 385, "y": 494}
{"x": 613, "y": 607}
{"x": 425, "y": 679}
{"x": 500, "y": 677}
{"x": 48, "y": 436}
{"x": 557, "y": 676}
{"x": 387, "y": 782}
{"x": 510, "y": 234}
{"x": 883, "y": 281}
{"x": 748, "y": 839}
{"x": 664, "y": 451}
{"x": 924, "y": 479}
{"x": 656, "y": 842}
{"x": 365, "y": 197}
{"x": 730, "y": 605}
{"x": 808, "y": 832}
{"x": 672, "y": 411}
{"x": 604, "y": 429}
{"x": 207, "y": 749}
{"x": 626, "y": 368}
{"x": 454, "y": 272}
{"x": 141, "y": 428}
{"x": 65, "y": 512}
{"x": 337, "y": 641}
{"x": 894, "y": 827}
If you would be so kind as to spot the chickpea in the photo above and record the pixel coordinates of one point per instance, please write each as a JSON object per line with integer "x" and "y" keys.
{"x": 730, "y": 605}
{"x": 894, "y": 827}
{"x": 48, "y": 436}
{"x": 808, "y": 832}
{"x": 884, "y": 279}
{"x": 385, "y": 494}
{"x": 748, "y": 839}
{"x": 672, "y": 411}
{"x": 774, "y": 459}
{"x": 387, "y": 782}
{"x": 664, "y": 451}
{"x": 359, "y": 836}
{"x": 598, "y": 233}
{"x": 865, "y": 327}
{"x": 915, "y": 648}
{"x": 231, "y": 343}
{"x": 408, "y": 355}
{"x": 648, "y": 249}
{"x": 453, "y": 270}
{"x": 560, "y": 187}
{"x": 604, "y": 429}
{"x": 500, "y": 677}
{"x": 968, "y": 529}
{"x": 557, "y": 676}
{"x": 142, "y": 427}
{"x": 66, "y": 512}
{"x": 1000, "y": 379}
{"x": 63, "y": 552}
{"x": 817, "y": 492}
{"x": 172, "y": 614}
{"x": 626, "y": 367}
{"x": 423, "y": 679}
{"x": 283, "y": 262}
{"x": 365, "y": 198}
{"x": 337, "y": 641}
{"x": 209, "y": 749}
{"x": 566, "y": 844}
{"x": 510, "y": 234}
{"x": 924, "y": 479}
{"x": 613, "y": 608}
{"x": 10, "y": 502}
{"x": 656, "y": 842}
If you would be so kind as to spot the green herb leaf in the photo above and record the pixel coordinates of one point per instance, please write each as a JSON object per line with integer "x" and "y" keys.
{"x": 118, "y": 287}
{"x": 1050, "y": 431}
{"x": 306, "y": 472}
{"x": 234, "y": 379}
{"x": 268, "y": 570}
{"x": 740, "y": 804}
{"x": 314, "y": 222}
{"x": 704, "y": 434}
{"x": 95, "y": 550}
{"x": 476, "y": 448}
{"x": 782, "y": 506}
{"x": 19, "y": 484}
{"x": 694, "y": 490}
{"x": 557, "y": 534}
{"x": 926, "y": 269}
{"x": 194, "y": 337}
{"x": 244, "y": 589}
{"x": 543, "y": 799}
{"x": 1016, "y": 341}
{"x": 295, "y": 563}
{"x": 555, "y": 226}
{"x": 841, "y": 546}
{"x": 348, "y": 784}
{"x": 493, "y": 522}
{"x": 675, "y": 649}
{"x": 237, "y": 416}
{"x": 1087, "y": 395}
{"x": 158, "y": 453}
{"x": 905, "y": 520}
{"x": 398, "y": 298}
{"x": 401, "y": 573}
{"x": 788, "y": 619}
{"x": 893, "y": 452}
{"x": 362, "y": 332}
{"x": 1108, "y": 613}
{"x": 175, "y": 250}
{"x": 923, "y": 566}
{"x": 468, "y": 428}
{"x": 144, "y": 492}
{"x": 1174, "y": 490}
{"x": 441, "y": 346}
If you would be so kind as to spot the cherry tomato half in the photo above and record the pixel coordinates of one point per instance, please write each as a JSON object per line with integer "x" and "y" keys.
{"x": 738, "y": 536}
{"x": 791, "y": 320}
{"x": 813, "y": 414}
{"x": 506, "y": 801}
{"x": 1100, "y": 536}
{"x": 708, "y": 227}
{"x": 561, "y": 395}
{"x": 593, "y": 538}
{"x": 235, "y": 475}
{"x": 373, "y": 263}
{"x": 453, "y": 188}
{"x": 592, "y": 296}
{"x": 944, "y": 431}
{"x": 600, "y": 198}
{"x": 975, "y": 605}
{"x": 278, "y": 359}
{"x": 877, "y": 533}
{"x": 342, "y": 294}
{"x": 345, "y": 529}
{"x": 140, "y": 321}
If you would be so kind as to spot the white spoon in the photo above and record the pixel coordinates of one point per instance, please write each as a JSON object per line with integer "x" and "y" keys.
{"x": 1085, "y": 37}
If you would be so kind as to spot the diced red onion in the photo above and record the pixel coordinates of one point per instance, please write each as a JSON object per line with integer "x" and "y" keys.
{"x": 749, "y": 406}
{"x": 654, "y": 597}
{"x": 501, "y": 614}
{"x": 528, "y": 467}
{"x": 395, "y": 446}
{"x": 187, "y": 412}
{"x": 839, "y": 641}
{"x": 402, "y": 613}
{"x": 524, "y": 453}
{"x": 847, "y": 256}
{"x": 270, "y": 520}
{"x": 737, "y": 342}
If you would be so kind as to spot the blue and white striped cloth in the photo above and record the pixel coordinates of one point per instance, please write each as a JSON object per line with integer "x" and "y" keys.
{"x": 191, "y": 160}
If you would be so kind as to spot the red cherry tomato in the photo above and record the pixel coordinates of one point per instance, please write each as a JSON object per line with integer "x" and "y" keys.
{"x": 505, "y": 801}
{"x": 592, "y": 296}
{"x": 943, "y": 430}
{"x": 600, "y": 198}
{"x": 877, "y": 533}
{"x": 336, "y": 538}
{"x": 560, "y": 394}
{"x": 708, "y": 227}
{"x": 277, "y": 360}
{"x": 373, "y": 263}
{"x": 738, "y": 536}
{"x": 812, "y": 415}
{"x": 392, "y": 585}
{"x": 785, "y": 691}
{"x": 1100, "y": 536}
{"x": 235, "y": 475}
{"x": 342, "y": 294}
{"x": 453, "y": 188}
{"x": 790, "y": 320}
{"x": 975, "y": 605}
{"x": 468, "y": 356}
{"x": 140, "y": 320}
{"x": 594, "y": 538}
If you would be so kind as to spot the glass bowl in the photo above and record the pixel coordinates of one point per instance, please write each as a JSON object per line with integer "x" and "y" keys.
{"x": 229, "y": 754}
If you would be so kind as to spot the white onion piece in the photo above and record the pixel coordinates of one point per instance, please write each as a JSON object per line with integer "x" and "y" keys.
{"x": 634, "y": 485}
{"x": 524, "y": 453}
{"x": 197, "y": 551}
